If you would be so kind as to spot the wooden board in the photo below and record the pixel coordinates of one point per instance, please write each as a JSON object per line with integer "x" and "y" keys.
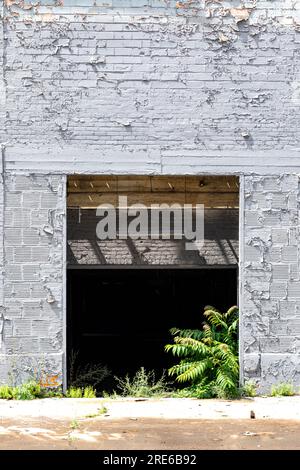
{"x": 212, "y": 184}
{"x": 127, "y": 184}
{"x": 220, "y": 184}
{"x": 170, "y": 184}
{"x": 85, "y": 200}
{"x": 87, "y": 184}
{"x": 212, "y": 191}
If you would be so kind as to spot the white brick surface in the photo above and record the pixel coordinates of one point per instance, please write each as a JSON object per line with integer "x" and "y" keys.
{"x": 274, "y": 320}
{"x": 32, "y": 327}
{"x": 149, "y": 87}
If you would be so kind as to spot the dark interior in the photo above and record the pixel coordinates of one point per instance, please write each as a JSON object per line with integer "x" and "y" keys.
{"x": 121, "y": 317}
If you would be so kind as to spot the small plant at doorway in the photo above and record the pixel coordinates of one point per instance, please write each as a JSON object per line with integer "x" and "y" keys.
{"x": 283, "y": 390}
{"x": 77, "y": 392}
{"x": 249, "y": 389}
{"x": 6, "y": 392}
{"x": 27, "y": 391}
{"x": 142, "y": 384}
{"x": 83, "y": 375}
{"x": 209, "y": 357}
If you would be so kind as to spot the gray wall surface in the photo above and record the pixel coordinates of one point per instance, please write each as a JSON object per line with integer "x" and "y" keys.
{"x": 149, "y": 87}
{"x": 270, "y": 304}
{"x": 34, "y": 264}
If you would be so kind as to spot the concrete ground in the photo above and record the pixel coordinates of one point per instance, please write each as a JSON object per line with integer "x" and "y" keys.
{"x": 150, "y": 424}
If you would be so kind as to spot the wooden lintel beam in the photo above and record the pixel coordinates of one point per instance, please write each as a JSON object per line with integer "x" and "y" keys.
{"x": 93, "y": 200}
{"x": 169, "y": 184}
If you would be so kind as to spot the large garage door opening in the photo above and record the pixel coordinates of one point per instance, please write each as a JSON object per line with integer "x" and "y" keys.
{"x": 122, "y": 317}
{"x": 125, "y": 293}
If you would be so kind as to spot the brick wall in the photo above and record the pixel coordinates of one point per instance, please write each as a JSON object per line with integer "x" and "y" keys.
{"x": 2, "y": 117}
{"x": 2, "y": 83}
{"x": 33, "y": 281}
{"x": 270, "y": 330}
{"x": 150, "y": 87}
{"x": 220, "y": 244}
{"x": 145, "y": 87}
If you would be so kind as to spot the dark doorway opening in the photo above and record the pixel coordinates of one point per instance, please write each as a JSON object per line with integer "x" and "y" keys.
{"x": 121, "y": 317}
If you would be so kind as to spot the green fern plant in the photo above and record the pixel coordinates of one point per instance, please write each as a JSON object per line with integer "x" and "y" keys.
{"x": 208, "y": 357}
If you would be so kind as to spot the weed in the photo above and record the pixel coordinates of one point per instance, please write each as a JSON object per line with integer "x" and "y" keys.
{"x": 111, "y": 396}
{"x": 51, "y": 393}
{"x": 77, "y": 392}
{"x": 143, "y": 384}
{"x": 193, "y": 391}
{"x": 6, "y": 392}
{"x": 74, "y": 392}
{"x": 89, "y": 392}
{"x": 27, "y": 391}
{"x": 74, "y": 424}
{"x": 87, "y": 374}
{"x": 249, "y": 389}
{"x": 283, "y": 390}
{"x": 101, "y": 411}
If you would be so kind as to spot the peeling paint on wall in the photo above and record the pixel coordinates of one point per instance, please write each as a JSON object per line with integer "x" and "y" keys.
{"x": 148, "y": 87}
{"x": 33, "y": 279}
{"x": 142, "y": 78}
{"x": 271, "y": 280}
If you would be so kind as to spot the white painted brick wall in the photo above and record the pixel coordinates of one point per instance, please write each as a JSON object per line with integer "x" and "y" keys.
{"x": 139, "y": 87}
{"x": 150, "y": 87}
{"x": 270, "y": 329}
{"x": 32, "y": 338}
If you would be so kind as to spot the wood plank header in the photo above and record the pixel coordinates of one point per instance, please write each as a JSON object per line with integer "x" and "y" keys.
{"x": 213, "y": 191}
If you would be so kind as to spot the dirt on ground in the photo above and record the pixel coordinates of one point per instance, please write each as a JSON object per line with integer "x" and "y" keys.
{"x": 147, "y": 424}
{"x": 145, "y": 433}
